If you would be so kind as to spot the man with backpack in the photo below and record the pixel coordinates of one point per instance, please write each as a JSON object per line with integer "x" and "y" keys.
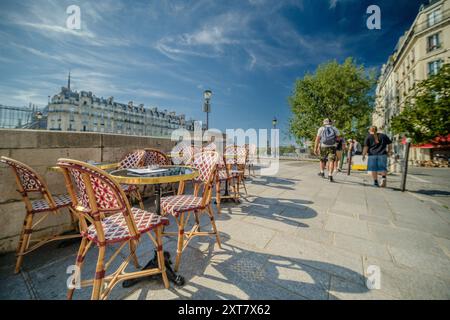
{"x": 325, "y": 147}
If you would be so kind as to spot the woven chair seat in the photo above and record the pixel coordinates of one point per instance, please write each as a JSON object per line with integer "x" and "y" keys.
{"x": 222, "y": 175}
{"x": 181, "y": 203}
{"x": 116, "y": 230}
{"x": 42, "y": 205}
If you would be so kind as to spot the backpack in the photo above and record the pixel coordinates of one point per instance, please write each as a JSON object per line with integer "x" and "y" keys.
{"x": 328, "y": 136}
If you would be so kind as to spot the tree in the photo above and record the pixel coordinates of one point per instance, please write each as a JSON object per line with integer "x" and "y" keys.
{"x": 426, "y": 115}
{"x": 340, "y": 92}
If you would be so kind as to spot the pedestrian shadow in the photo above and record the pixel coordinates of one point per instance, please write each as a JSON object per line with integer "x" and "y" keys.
{"x": 432, "y": 192}
{"x": 275, "y": 182}
{"x": 236, "y": 272}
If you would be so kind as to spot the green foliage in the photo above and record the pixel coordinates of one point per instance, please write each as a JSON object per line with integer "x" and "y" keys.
{"x": 426, "y": 116}
{"x": 337, "y": 91}
{"x": 287, "y": 149}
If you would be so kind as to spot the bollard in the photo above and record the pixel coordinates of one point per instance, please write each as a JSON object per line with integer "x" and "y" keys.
{"x": 405, "y": 167}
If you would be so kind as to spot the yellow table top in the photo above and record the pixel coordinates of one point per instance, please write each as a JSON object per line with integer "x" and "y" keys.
{"x": 173, "y": 174}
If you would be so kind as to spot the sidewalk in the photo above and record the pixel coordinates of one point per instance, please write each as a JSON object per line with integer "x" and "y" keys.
{"x": 296, "y": 236}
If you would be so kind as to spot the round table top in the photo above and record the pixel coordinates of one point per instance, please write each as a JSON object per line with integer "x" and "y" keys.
{"x": 172, "y": 174}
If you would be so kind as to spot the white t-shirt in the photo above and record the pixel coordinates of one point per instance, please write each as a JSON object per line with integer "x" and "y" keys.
{"x": 319, "y": 133}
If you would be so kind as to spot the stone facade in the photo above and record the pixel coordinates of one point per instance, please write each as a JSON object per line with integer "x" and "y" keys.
{"x": 82, "y": 111}
{"x": 419, "y": 53}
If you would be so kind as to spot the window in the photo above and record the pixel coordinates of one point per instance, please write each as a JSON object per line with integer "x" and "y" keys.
{"x": 434, "y": 42}
{"x": 434, "y": 17}
{"x": 433, "y": 67}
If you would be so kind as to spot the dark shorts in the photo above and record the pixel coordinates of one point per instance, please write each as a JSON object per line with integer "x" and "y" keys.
{"x": 327, "y": 153}
{"x": 377, "y": 163}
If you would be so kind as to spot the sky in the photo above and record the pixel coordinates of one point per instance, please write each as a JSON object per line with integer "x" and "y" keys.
{"x": 166, "y": 53}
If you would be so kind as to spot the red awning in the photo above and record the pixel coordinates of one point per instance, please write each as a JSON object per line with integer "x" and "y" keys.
{"x": 438, "y": 142}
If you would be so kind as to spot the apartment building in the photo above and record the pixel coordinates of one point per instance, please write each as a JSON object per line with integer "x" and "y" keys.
{"x": 419, "y": 53}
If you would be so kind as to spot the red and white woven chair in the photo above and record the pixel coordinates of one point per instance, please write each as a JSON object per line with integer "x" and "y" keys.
{"x": 30, "y": 182}
{"x": 154, "y": 157}
{"x": 133, "y": 159}
{"x": 181, "y": 207}
{"x": 107, "y": 218}
{"x": 182, "y": 153}
{"x": 222, "y": 176}
{"x": 235, "y": 159}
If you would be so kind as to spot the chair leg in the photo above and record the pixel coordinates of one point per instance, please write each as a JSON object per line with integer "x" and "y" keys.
{"x": 243, "y": 184}
{"x": 197, "y": 220}
{"x": 25, "y": 241}
{"x": 160, "y": 253}
{"x": 137, "y": 194}
{"x": 180, "y": 241}
{"x": 79, "y": 263}
{"x": 99, "y": 274}
{"x": 218, "y": 196}
{"x": 213, "y": 223}
{"x": 133, "y": 246}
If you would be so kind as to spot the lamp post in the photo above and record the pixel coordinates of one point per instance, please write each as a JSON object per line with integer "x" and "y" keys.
{"x": 207, "y": 94}
{"x": 274, "y": 123}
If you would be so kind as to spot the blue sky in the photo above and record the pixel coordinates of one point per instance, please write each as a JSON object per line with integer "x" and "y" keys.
{"x": 165, "y": 53}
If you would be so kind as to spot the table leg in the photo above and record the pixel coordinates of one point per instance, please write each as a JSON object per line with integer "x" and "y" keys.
{"x": 153, "y": 263}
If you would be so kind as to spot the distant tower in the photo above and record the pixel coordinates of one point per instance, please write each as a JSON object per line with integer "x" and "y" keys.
{"x": 68, "y": 82}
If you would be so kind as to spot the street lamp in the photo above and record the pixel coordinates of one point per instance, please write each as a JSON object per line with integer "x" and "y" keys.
{"x": 207, "y": 105}
{"x": 274, "y": 123}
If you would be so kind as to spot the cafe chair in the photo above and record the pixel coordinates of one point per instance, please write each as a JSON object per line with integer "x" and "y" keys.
{"x": 182, "y": 153}
{"x": 154, "y": 157}
{"x": 182, "y": 207}
{"x": 133, "y": 159}
{"x": 29, "y": 182}
{"x": 222, "y": 176}
{"x": 106, "y": 218}
{"x": 238, "y": 164}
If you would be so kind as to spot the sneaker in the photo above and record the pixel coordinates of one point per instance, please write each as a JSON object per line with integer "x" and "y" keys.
{"x": 321, "y": 174}
{"x": 383, "y": 183}
{"x": 331, "y": 178}
{"x": 375, "y": 183}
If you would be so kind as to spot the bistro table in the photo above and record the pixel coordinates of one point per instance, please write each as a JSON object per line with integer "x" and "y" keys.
{"x": 171, "y": 174}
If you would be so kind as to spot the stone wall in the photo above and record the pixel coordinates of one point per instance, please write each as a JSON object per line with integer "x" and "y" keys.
{"x": 40, "y": 149}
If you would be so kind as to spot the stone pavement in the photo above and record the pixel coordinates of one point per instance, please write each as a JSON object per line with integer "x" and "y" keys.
{"x": 295, "y": 236}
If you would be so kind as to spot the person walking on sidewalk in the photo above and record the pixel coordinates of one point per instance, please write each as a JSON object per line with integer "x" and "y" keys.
{"x": 340, "y": 149}
{"x": 325, "y": 147}
{"x": 378, "y": 146}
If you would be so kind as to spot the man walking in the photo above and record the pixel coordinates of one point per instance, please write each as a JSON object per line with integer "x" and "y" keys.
{"x": 325, "y": 147}
{"x": 378, "y": 146}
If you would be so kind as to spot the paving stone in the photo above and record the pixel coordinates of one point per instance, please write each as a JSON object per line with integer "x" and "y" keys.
{"x": 361, "y": 246}
{"x": 424, "y": 262}
{"x": 14, "y": 288}
{"x": 248, "y": 233}
{"x": 329, "y": 259}
{"x": 346, "y": 225}
{"x": 306, "y": 281}
{"x": 375, "y": 219}
{"x": 345, "y": 290}
{"x": 404, "y": 238}
{"x": 315, "y": 234}
{"x": 405, "y": 283}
